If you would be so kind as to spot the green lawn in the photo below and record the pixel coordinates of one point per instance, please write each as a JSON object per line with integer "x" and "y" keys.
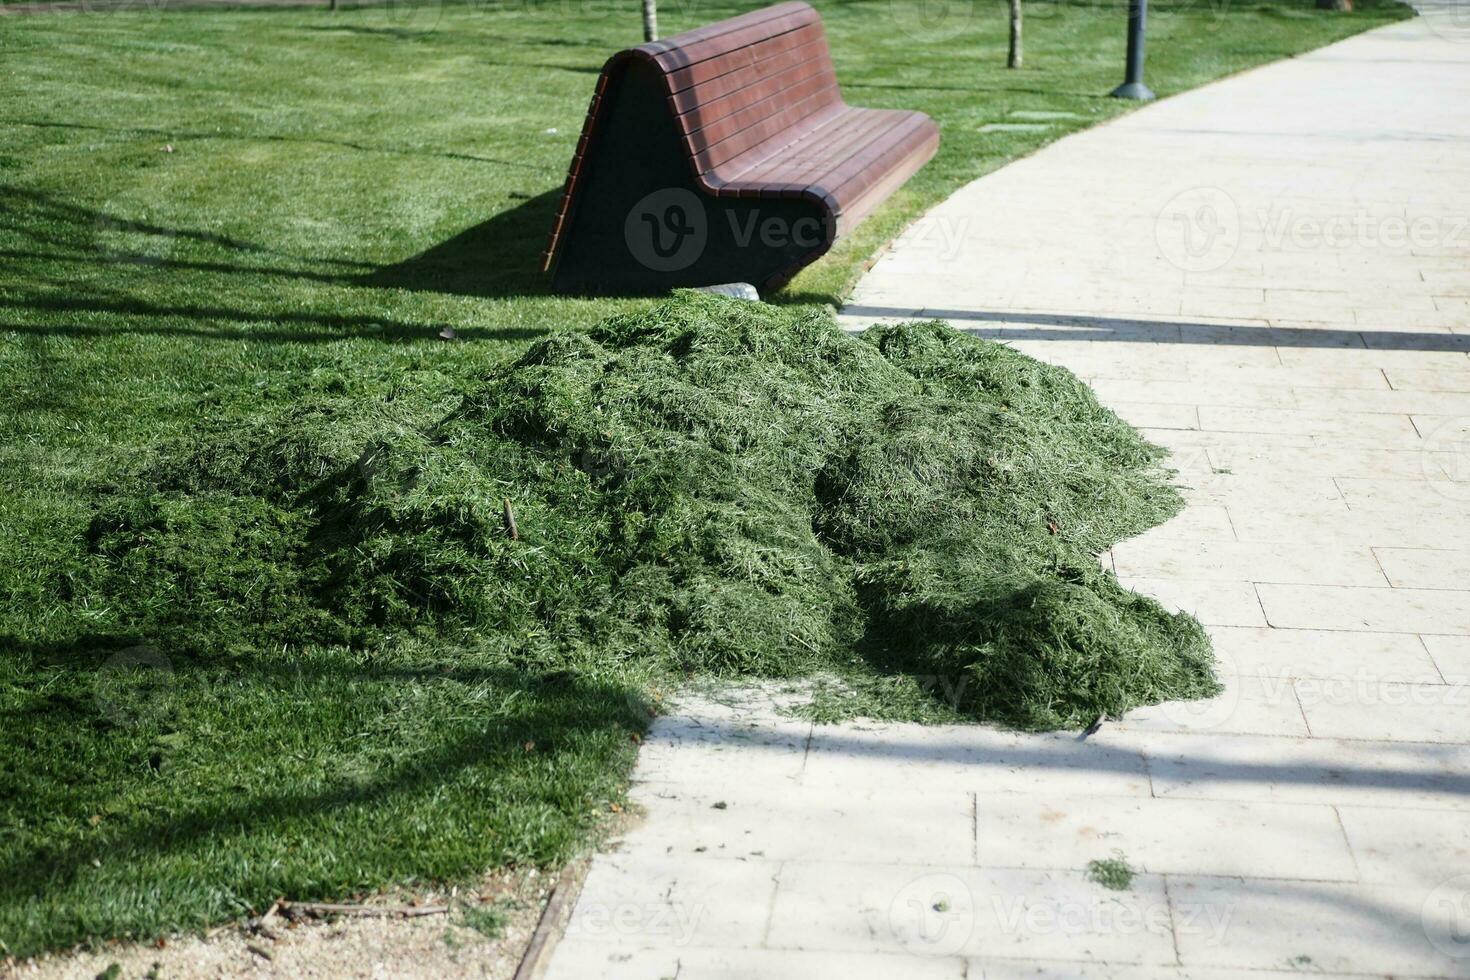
{"x": 209, "y": 217}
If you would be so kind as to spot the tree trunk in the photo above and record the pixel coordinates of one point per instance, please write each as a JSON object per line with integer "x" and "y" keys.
{"x": 1013, "y": 57}
{"x": 650, "y": 20}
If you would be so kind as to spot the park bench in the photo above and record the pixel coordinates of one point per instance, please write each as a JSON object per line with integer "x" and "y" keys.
{"x": 724, "y": 154}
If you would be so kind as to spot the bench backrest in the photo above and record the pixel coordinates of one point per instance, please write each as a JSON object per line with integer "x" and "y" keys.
{"x": 744, "y": 82}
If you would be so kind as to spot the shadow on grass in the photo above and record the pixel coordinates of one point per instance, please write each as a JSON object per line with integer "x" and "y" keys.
{"x": 314, "y": 327}
{"x": 179, "y": 136}
{"x": 21, "y": 210}
{"x": 497, "y": 258}
{"x": 435, "y": 762}
{"x": 500, "y": 257}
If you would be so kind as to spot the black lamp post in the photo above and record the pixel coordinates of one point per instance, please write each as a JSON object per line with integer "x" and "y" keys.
{"x": 1133, "y": 87}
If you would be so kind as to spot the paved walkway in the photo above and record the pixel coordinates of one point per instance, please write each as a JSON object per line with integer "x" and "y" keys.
{"x": 1271, "y": 275}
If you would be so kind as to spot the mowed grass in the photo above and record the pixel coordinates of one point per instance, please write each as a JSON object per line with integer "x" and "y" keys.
{"x": 210, "y": 218}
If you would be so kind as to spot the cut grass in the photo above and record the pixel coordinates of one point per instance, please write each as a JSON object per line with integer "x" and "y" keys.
{"x": 1112, "y": 873}
{"x": 708, "y": 486}
{"x": 216, "y": 222}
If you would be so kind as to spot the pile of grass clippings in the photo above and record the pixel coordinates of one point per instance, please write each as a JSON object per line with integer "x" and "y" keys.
{"x": 713, "y": 486}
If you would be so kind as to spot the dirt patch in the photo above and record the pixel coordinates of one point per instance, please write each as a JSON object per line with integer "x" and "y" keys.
{"x": 483, "y": 934}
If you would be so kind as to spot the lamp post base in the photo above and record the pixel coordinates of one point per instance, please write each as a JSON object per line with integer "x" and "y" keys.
{"x": 1133, "y": 90}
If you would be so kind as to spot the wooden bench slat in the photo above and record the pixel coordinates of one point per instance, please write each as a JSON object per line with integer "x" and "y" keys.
{"x": 718, "y": 97}
{"x": 764, "y": 115}
{"x": 777, "y": 128}
{"x": 729, "y": 25}
{"x": 687, "y": 83}
{"x": 813, "y": 155}
{"x": 673, "y": 56}
{"x": 876, "y": 155}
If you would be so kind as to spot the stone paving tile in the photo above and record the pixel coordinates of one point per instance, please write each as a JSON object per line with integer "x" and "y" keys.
{"x": 1453, "y": 430}
{"x": 1329, "y": 926}
{"x": 1451, "y": 655}
{"x": 943, "y": 911}
{"x": 1411, "y": 330}
{"x": 1248, "y": 706}
{"x": 1424, "y": 568}
{"x": 684, "y": 749}
{"x": 1202, "y": 522}
{"x": 1424, "y": 495}
{"x": 1401, "y": 846}
{"x": 1324, "y": 654}
{"x": 1156, "y": 415}
{"x": 1272, "y": 377}
{"x": 1276, "y": 333}
{"x": 638, "y": 900}
{"x": 1377, "y": 528}
{"x": 1167, "y": 360}
{"x": 1245, "y": 490}
{"x": 1180, "y": 441}
{"x": 1114, "y": 390}
{"x": 1414, "y": 379}
{"x": 1214, "y": 603}
{"x": 1348, "y": 708}
{"x": 1018, "y": 327}
{"x": 1225, "y": 301}
{"x": 740, "y": 822}
{"x": 1332, "y": 304}
{"x": 1325, "y": 357}
{"x": 587, "y": 960}
{"x": 1354, "y": 428}
{"x": 1374, "y": 610}
{"x": 1288, "y": 462}
{"x": 1236, "y": 561}
{"x": 1202, "y": 765}
{"x": 1393, "y": 401}
{"x": 991, "y": 969}
{"x": 919, "y": 759}
{"x": 1163, "y": 836}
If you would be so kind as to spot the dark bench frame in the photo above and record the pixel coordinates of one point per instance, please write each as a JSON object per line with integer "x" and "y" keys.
{"x": 724, "y": 154}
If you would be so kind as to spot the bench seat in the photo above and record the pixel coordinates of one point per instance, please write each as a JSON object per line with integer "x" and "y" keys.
{"x": 737, "y": 125}
{"x": 851, "y": 161}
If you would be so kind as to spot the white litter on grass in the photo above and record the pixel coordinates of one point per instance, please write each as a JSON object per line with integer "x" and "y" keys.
{"x": 739, "y": 290}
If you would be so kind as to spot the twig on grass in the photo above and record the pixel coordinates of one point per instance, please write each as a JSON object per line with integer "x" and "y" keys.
{"x": 334, "y": 908}
{"x": 261, "y": 926}
{"x": 510, "y": 520}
